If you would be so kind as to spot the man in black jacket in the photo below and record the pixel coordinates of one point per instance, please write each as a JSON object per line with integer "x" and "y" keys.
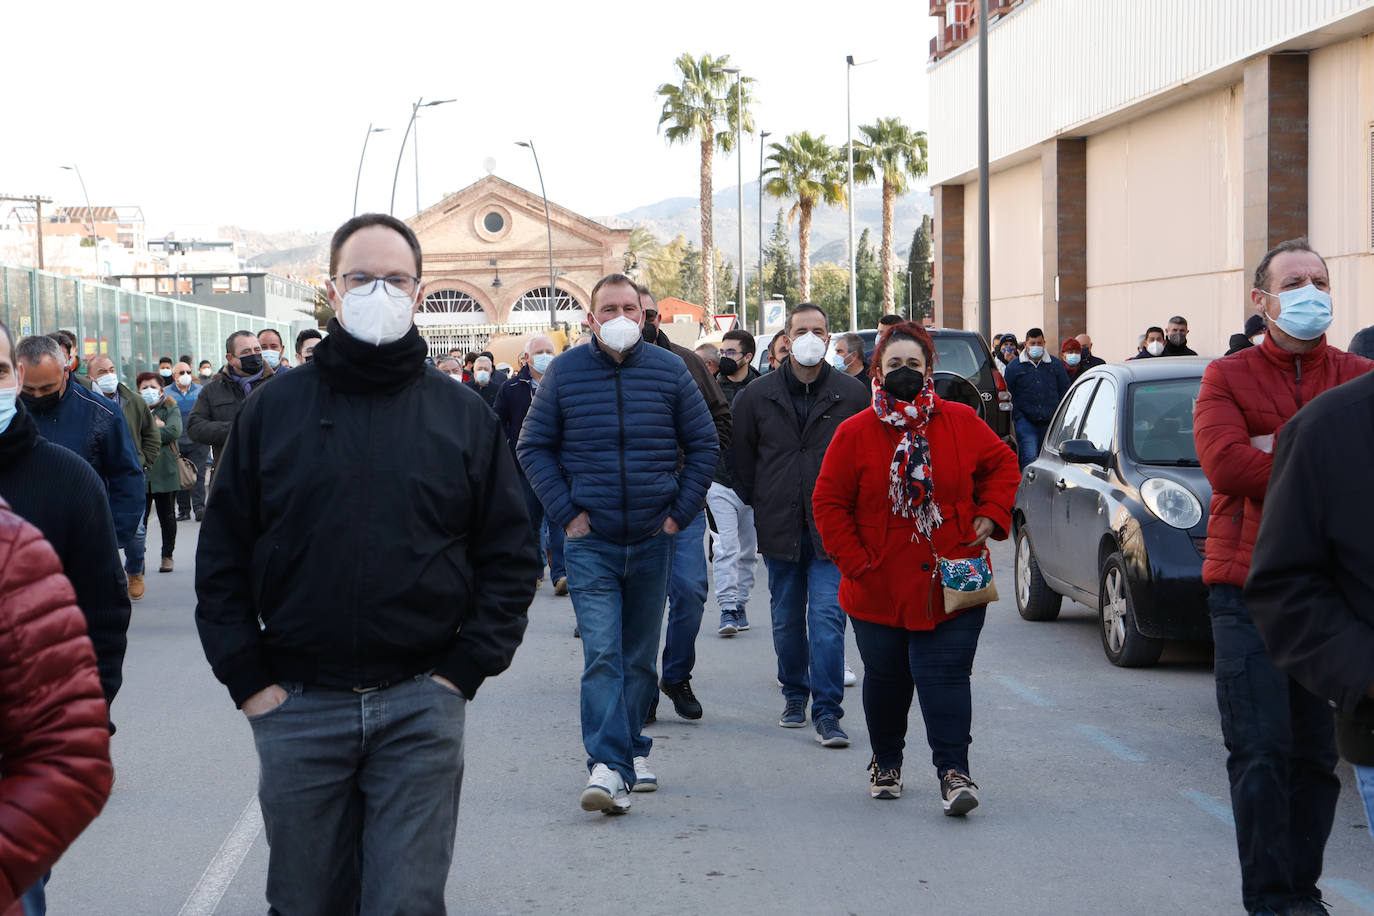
{"x": 1311, "y": 584}
{"x": 372, "y": 566}
{"x": 62, "y": 496}
{"x": 737, "y": 545}
{"x": 786, "y": 420}
{"x": 222, "y": 397}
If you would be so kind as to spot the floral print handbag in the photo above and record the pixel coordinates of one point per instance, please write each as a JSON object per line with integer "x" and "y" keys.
{"x": 967, "y": 582}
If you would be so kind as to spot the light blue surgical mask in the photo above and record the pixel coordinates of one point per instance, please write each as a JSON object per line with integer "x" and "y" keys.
{"x": 541, "y": 362}
{"x": 1304, "y": 313}
{"x": 1073, "y": 358}
{"x": 7, "y": 408}
{"x": 837, "y": 361}
{"x": 150, "y": 395}
{"x": 272, "y": 357}
{"x": 1035, "y": 352}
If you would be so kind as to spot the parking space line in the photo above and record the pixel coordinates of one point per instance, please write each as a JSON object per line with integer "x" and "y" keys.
{"x": 1218, "y": 809}
{"x": 219, "y": 874}
{"x": 1111, "y": 745}
{"x": 1024, "y": 691}
{"x": 1353, "y": 891}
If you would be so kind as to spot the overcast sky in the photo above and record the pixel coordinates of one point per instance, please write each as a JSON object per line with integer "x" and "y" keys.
{"x": 253, "y": 113}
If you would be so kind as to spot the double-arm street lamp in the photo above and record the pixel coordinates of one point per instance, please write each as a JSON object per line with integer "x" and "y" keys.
{"x": 90, "y": 214}
{"x": 370, "y": 131}
{"x": 414, "y": 110}
{"x": 548, "y": 227}
{"x": 739, "y": 161}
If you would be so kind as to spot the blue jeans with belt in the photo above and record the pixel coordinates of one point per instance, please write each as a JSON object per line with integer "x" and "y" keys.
{"x": 1281, "y": 741}
{"x": 617, "y": 593}
{"x": 359, "y": 796}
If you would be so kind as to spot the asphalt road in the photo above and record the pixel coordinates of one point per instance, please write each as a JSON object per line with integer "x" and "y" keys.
{"x": 1104, "y": 790}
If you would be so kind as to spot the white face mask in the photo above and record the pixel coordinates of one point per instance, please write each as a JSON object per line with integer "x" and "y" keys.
{"x": 1257, "y": 339}
{"x": 184, "y": 379}
{"x": 1154, "y": 347}
{"x": 151, "y": 395}
{"x": 107, "y": 383}
{"x": 620, "y": 333}
{"x": 377, "y": 317}
{"x": 206, "y": 372}
{"x": 482, "y": 376}
{"x": 272, "y": 357}
{"x": 808, "y": 349}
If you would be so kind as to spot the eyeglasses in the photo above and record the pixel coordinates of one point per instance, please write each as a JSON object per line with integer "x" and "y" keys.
{"x": 399, "y": 285}
{"x": 733, "y": 354}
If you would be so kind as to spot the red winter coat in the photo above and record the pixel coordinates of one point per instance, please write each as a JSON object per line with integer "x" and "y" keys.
{"x": 55, "y": 769}
{"x": 1244, "y": 396}
{"x": 887, "y": 577}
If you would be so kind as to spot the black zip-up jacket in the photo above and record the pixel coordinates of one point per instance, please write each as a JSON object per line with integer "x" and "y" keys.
{"x": 725, "y": 467}
{"x": 380, "y": 534}
{"x": 221, "y": 399}
{"x": 778, "y": 451}
{"x": 1311, "y": 585}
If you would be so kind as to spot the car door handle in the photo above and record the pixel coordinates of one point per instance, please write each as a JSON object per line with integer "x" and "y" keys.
{"x": 1030, "y": 473}
{"x": 1060, "y": 485}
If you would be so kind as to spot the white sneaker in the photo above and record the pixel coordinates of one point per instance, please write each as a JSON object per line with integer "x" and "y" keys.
{"x": 645, "y": 780}
{"x": 850, "y": 679}
{"x": 605, "y": 792}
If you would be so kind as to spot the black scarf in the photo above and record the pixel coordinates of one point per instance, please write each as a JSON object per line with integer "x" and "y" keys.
{"x": 20, "y": 438}
{"x": 351, "y": 366}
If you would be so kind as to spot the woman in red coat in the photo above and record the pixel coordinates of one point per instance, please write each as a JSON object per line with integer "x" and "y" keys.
{"x": 913, "y": 479}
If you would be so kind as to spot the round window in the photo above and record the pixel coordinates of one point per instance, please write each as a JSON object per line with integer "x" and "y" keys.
{"x": 493, "y": 222}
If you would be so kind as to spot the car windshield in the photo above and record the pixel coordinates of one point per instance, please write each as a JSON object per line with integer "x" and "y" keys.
{"x": 962, "y": 354}
{"x": 1162, "y": 421}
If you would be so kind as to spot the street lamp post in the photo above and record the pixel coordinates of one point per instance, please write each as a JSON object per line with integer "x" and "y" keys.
{"x": 758, "y": 325}
{"x": 984, "y": 230}
{"x": 414, "y": 110}
{"x": 849, "y": 65}
{"x": 90, "y": 214}
{"x": 739, "y": 163}
{"x": 548, "y": 226}
{"x": 370, "y": 131}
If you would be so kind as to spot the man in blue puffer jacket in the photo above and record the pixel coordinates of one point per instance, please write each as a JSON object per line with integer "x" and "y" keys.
{"x": 620, "y": 449}
{"x": 1037, "y": 383}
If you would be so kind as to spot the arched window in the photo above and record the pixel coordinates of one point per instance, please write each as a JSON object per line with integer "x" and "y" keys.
{"x": 536, "y": 303}
{"x": 451, "y": 306}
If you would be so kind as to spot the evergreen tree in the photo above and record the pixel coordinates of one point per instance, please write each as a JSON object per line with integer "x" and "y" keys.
{"x": 868, "y": 283}
{"x": 920, "y": 266}
{"x": 779, "y": 270}
{"x": 727, "y": 289}
{"x": 689, "y": 274}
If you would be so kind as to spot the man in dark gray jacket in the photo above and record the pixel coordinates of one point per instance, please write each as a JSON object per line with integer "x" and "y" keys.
{"x": 783, "y": 425}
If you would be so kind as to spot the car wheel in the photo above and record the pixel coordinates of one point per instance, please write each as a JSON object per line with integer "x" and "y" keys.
{"x": 1035, "y": 600}
{"x": 1121, "y": 638}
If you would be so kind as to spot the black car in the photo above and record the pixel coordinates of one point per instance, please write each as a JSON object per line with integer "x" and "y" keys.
{"x": 1113, "y": 512}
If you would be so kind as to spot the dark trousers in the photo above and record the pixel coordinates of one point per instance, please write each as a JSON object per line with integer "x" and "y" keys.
{"x": 194, "y": 498}
{"x": 1029, "y": 437}
{"x": 934, "y": 664}
{"x": 166, "y": 519}
{"x": 1281, "y": 764}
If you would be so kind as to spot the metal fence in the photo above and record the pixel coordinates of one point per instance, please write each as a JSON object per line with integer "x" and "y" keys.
{"x": 134, "y": 329}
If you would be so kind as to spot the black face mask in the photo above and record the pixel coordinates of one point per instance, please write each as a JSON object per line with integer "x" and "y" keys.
{"x": 250, "y": 364}
{"x": 40, "y": 404}
{"x": 728, "y": 366}
{"x": 904, "y": 384}
{"x": 649, "y": 333}
{"x": 1178, "y": 340}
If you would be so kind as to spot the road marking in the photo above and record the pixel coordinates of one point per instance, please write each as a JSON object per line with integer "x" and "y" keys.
{"x": 1024, "y": 691}
{"x": 1353, "y": 891}
{"x": 1218, "y": 809}
{"x": 219, "y": 874}
{"x": 1108, "y": 743}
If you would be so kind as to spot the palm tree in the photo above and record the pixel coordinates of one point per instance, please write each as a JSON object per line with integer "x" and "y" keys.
{"x": 898, "y": 153}
{"x": 692, "y": 109}
{"x": 642, "y": 244}
{"x": 808, "y": 169}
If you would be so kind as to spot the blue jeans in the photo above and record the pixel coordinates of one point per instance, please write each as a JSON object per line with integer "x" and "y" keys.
{"x": 618, "y": 592}
{"x": 359, "y": 796}
{"x": 1364, "y": 779}
{"x": 552, "y": 550}
{"x": 536, "y": 511}
{"x": 34, "y": 901}
{"x": 934, "y": 664}
{"x": 686, "y": 601}
{"x": 1029, "y": 437}
{"x": 137, "y": 547}
{"x": 1281, "y": 741}
{"x": 808, "y": 629}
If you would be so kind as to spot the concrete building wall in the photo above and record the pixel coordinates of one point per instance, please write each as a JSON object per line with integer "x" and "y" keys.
{"x": 1015, "y": 233}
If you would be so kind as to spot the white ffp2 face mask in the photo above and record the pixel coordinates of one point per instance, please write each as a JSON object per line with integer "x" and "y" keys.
{"x": 377, "y": 317}
{"x": 808, "y": 349}
{"x": 620, "y": 333}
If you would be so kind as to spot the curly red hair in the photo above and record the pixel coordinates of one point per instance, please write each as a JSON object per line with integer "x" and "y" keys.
{"x": 909, "y": 330}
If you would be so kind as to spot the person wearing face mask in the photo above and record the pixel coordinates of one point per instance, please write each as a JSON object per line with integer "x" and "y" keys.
{"x": 944, "y": 483}
{"x": 371, "y": 567}
{"x": 451, "y": 367}
{"x": 305, "y": 345}
{"x": 1176, "y": 338}
{"x": 164, "y": 480}
{"x": 737, "y": 546}
{"x": 512, "y": 405}
{"x": 1279, "y": 736}
{"x": 785, "y": 422}
{"x": 223, "y": 396}
{"x": 1152, "y": 345}
{"x": 1251, "y": 336}
{"x": 1037, "y": 382}
{"x": 164, "y": 369}
{"x": 183, "y": 392}
{"x": 273, "y": 352}
{"x": 619, "y": 447}
{"x": 67, "y": 340}
{"x": 484, "y": 380}
{"x": 779, "y": 349}
{"x": 849, "y": 355}
{"x": 205, "y": 371}
{"x": 1089, "y": 360}
{"x": 1071, "y": 352}
{"x": 687, "y": 583}
{"x": 1005, "y": 352}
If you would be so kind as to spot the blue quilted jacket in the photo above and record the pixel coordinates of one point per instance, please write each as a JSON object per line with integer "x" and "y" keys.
{"x": 629, "y": 444}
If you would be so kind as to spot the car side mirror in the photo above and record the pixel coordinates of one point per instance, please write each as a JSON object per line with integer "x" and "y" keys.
{"x": 1081, "y": 451}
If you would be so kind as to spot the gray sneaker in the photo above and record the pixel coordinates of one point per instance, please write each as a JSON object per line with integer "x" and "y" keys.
{"x": 794, "y": 715}
{"x": 829, "y": 733}
{"x": 728, "y": 625}
{"x": 741, "y": 619}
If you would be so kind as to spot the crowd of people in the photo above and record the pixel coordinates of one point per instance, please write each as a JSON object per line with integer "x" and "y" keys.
{"x": 636, "y": 474}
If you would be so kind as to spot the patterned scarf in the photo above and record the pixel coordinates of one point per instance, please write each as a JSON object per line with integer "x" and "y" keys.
{"x": 910, "y": 484}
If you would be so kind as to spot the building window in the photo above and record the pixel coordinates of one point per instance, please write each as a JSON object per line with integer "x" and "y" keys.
{"x": 493, "y": 222}
{"x": 536, "y": 302}
{"x": 451, "y": 306}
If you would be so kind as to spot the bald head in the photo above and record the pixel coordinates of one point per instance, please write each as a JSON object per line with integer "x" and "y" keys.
{"x": 1085, "y": 340}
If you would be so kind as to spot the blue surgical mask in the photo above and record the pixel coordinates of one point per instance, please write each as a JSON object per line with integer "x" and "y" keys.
{"x": 272, "y": 357}
{"x": 482, "y": 376}
{"x": 1304, "y": 313}
{"x": 1035, "y": 352}
{"x": 1073, "y": 358}
{"x": 837, "y": 361}
{"x": 7, "y": 408}
{"x": 541, "y": 362}
{"x": 150, "y": 395}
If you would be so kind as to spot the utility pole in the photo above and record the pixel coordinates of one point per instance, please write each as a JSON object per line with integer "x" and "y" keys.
{"x": 984, "y": 231}
{"x": 38, "y": 201}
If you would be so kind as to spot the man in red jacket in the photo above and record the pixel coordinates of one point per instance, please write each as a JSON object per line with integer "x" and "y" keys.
{"x": 1280, "y": 736}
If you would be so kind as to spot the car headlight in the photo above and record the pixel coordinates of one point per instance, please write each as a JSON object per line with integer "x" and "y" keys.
{"x": 1171, "y": 502}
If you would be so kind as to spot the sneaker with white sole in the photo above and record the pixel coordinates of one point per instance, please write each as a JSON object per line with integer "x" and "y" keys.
{"x": 741, "y": 619}
{"x": 850, "y": 678}
{"x": 958, "y": 793}
{"x": 794, "y": 713}
{"x": 884, "y": 782}
{"x": 605, "y": 792}
{"x": 645, "y": 780}
{"x": 829, "y": 733}
{"x": 728, "y": 626}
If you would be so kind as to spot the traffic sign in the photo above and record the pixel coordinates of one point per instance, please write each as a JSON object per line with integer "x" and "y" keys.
{"x": 726, "y": 322}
